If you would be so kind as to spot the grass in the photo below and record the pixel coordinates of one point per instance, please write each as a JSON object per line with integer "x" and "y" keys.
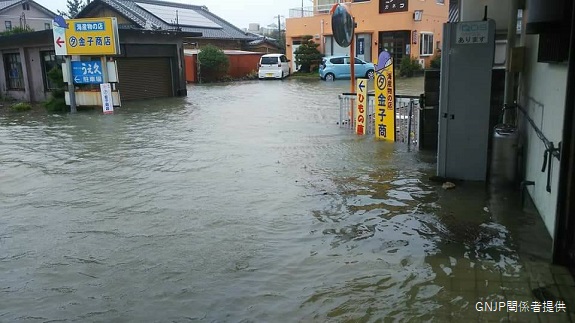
{"x": 311, "y": 75}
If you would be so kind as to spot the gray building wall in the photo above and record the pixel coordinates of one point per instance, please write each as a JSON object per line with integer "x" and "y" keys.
{"x": 34, "y": 18}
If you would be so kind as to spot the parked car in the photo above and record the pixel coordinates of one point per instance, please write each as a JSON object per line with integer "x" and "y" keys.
{"x": 338, "y": 67}
{"x": 273, "y": 66}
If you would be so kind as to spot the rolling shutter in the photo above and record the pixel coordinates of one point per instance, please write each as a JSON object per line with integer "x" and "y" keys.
{"x": 145, "y": 78}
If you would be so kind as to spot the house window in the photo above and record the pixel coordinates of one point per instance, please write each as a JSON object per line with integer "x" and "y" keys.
{"x": 440, "y": 1}
{"x": 49, "y": 61}
{"x": 47, "y": 25}
{"x": 8, "y": 25}
{"x": 25, "y": 6}
{"x": 13, "y": 70}
{"x": 425, "y": 44}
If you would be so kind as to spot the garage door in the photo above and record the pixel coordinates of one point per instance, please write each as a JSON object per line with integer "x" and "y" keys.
{"x": 145, "y": 78}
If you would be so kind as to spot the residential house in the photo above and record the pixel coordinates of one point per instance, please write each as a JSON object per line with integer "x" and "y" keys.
{"x": 164, "y": 15}
{"x": 402, "y": 27}
{"x": 24, "y": 13}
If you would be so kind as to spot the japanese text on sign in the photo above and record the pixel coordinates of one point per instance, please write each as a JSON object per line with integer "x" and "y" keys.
{"x": 385, "y": 103}
{"x": 361, "y": 107}
{"x": 87, "y": 72}
{"x": 394, "y": 6}
{"x": 472, "y": 33}
{"x": 91, "y": 26}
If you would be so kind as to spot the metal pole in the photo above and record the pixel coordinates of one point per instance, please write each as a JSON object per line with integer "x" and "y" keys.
{"x": 71, "y": 84}
{"x": 105, "y": 77}
{"x": 409, "y": 124}
{"x": 509, "y": 75}
{"x": 352, "y": 58}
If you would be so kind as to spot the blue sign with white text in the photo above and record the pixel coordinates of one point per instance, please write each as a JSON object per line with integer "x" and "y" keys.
{"x": 89, "y": 72}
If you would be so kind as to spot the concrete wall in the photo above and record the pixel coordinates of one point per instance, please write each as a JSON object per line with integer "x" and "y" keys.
{"x": 35, "y": 18}
{"x": 497, "y": 10}
{"x": 370, "y": 21}
{"x": 542, "y": 93}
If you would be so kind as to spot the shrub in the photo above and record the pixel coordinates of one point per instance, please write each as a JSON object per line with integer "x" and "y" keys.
{"x": 57, "y": 102}
{"x": 253, "y": 75}
{"x": 307, "y": 55}
{"x": 436, "y": 61}
{"x": 21, "y": 106}
{"x": 17, "y": 30}
{"x": 409, "y": 66}
{"x": 213, "y": 63}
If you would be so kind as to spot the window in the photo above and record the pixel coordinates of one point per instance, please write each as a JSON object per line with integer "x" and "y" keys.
{"x": 440, "y": 1}
{"x": 13, "y": 70}
{"x": 49, "y": 61}
{"x": 25, "y": 6}
{"x": 426, "y": 44}
{"x": 283, "y": 59}
{"x": 8, "y": 25}
{"x": 269, "y": 60}
{"x": 47, "y": 25}
{"x": 338, "y": 60}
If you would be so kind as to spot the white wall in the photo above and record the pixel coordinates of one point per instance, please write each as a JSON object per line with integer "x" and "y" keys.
{"x": 542, "y": 94}
{"x": 35, "y": 18}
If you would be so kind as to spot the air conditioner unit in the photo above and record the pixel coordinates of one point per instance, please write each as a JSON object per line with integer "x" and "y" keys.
{"x": 421, "y": 62}
{"x": 316, "y": 36}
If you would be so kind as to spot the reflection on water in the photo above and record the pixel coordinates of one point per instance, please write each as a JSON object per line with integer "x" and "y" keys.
{"x": 240, "y": 202}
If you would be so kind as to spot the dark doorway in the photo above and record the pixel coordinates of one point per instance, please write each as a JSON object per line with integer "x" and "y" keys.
{"x": 397, "y": 43}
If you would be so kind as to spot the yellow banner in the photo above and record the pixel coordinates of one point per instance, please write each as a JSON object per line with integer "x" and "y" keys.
{"x": 385, "y": 103}
{"x": 93, "y": 36}
{"x": 361, "y": 107}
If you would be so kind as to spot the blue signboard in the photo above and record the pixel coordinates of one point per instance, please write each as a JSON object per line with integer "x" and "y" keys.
{"x": 360, "y": 50}
{"x": 89, "y": 72}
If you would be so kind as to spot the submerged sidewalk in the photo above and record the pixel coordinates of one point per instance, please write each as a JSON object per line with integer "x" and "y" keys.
{"x": 505, "y": 274}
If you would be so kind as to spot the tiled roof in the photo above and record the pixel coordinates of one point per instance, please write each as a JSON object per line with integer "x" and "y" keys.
{"x": 7, "y": 3}
{"x": 145, "y": 20}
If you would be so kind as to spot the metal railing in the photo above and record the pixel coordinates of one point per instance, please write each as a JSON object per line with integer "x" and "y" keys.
{"x": 406, "y": 116}
{"x": 301, "y": 12}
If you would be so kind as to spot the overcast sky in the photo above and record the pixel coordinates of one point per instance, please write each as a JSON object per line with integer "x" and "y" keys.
{"x": 238, "y": 12}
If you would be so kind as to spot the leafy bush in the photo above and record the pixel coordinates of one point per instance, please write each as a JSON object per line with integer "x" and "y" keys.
{"x": 409, "y": 66}
{"x": 213, "y": 63}
{"x": 307, "y": 55}
{"x": 21, "y": 106}
{"x": 436, "y": 61}
{"x": 57, "y": 101}
{"x": 17, "y": 30}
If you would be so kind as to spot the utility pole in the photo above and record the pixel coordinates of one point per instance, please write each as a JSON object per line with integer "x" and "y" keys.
{"x": 279, "y": 30}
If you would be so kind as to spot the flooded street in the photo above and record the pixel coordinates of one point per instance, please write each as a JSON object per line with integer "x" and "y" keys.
{"x": 245, "y": 202}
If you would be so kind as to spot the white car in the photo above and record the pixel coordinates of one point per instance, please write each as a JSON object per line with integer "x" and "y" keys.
{"x": 273, "y": 66}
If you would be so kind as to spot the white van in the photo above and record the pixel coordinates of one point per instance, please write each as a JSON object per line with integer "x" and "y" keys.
{"x": 273, "y": 66}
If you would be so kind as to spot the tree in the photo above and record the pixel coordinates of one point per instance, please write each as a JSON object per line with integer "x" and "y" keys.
{"x": 281, "y": 39}
{"x": 213, "y": 63}
{"x": 74, "y": 7}
{"x": 307, "y": 55}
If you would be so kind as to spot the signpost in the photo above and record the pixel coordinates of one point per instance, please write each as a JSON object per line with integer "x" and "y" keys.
{"x": 106, "y": 91}
{"x": 361, "y": 107}
{"x": 384, "y": 98}
{"x": 93, "y": 37}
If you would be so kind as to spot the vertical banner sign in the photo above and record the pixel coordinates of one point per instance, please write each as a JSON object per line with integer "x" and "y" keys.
{"x": 106, "y": 91}
{"x": 385, "y": 98}
{"x": 361, "y": 107}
